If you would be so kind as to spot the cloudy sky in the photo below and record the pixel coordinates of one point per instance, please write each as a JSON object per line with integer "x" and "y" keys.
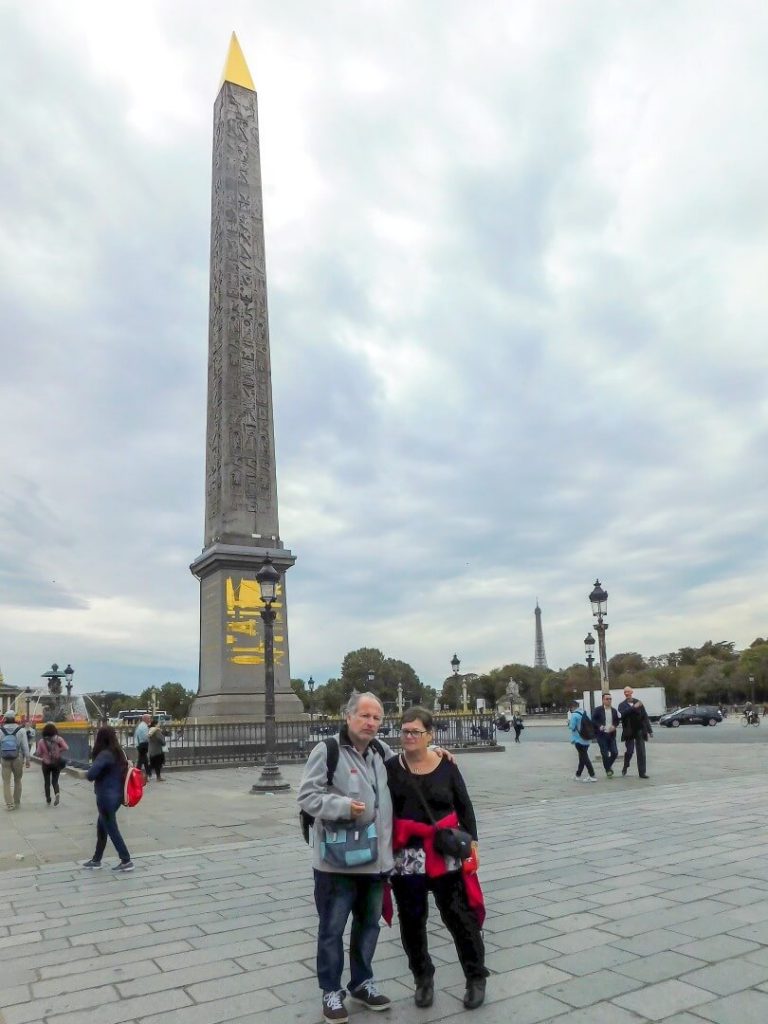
{"x": 517, "y": 258}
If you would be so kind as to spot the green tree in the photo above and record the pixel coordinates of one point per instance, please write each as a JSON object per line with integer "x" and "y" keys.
{"x": 299, "y": 688}
{"x": 171, "y": 698}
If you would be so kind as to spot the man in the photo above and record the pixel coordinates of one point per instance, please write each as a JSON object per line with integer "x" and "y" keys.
{"x": 635, "y": 730}
{"x": 358, "y": 891}
{"x": 606, "y": 719}
{"x": 141, "y": 739}
{"x": 14, "y": 752}
{"x": 517, "y": 725}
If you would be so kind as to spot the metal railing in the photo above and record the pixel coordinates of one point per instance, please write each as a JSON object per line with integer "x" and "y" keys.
{"x": 238, "y": 743}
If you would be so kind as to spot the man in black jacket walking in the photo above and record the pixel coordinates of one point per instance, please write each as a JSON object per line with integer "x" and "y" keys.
{"x": 606, "y": 719}
{"x": 636, "y": 729}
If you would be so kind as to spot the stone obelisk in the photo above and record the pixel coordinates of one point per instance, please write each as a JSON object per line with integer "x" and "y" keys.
{"x": 241, "y": 522}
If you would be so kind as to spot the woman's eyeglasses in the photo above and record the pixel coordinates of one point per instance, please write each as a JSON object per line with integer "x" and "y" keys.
{"x": 412, "y": 733}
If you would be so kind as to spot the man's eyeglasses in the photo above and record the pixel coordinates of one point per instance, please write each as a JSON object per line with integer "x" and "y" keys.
{"x": 412, "y": 733}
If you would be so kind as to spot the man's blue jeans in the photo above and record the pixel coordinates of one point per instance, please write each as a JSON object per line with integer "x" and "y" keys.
{"x": 336, "y": 897}
{"x": 609, "y": 751}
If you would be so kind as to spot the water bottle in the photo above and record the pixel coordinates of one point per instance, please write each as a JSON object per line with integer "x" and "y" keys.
{"x": 354, "y": 784}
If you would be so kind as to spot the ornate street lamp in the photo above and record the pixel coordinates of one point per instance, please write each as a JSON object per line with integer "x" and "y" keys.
{"x": 599, "y": 601}
{"x": 68, "y": 675}
{"x": 371, "y": 677}
{"x": 399, "y": 697}
{"x": 455, "y": 662}
{"x": 270, "y": 780}
{"x": 311, "y": 688}
{"x": 752, "y": 688}
{"x": 589, "y": 648}
{"x": 28, "y": 699}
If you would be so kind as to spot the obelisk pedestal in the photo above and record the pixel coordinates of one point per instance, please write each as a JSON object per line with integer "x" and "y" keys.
{"x": 241, "y": 520}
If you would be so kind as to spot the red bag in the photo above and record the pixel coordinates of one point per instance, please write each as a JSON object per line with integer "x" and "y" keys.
{"x": 133, "y": 790}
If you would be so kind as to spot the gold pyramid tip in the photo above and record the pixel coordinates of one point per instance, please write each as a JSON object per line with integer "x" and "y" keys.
{"x": 235, "y": 68}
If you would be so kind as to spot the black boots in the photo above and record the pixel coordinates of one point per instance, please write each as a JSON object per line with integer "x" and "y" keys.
{"x": 475, "y": 994}
{"x": 425, "y": 992}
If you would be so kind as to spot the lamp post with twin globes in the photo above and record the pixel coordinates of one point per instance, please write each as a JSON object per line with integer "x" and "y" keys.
{"x": 599, "y": 601}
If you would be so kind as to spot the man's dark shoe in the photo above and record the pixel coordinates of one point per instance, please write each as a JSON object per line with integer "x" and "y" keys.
{"x": 334, "y": 1010}
{"x": 369, "y": 996}
{"x": 645, "y": 776}
{"x": 475, "y": 994}
{"x": 609, "y": 773}
{"x": 624, "y": 770}
{"x": 425, "y": 992}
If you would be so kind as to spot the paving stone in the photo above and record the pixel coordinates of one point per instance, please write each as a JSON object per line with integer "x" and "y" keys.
{"x": 163, "y": 980}
{"x": 655, "y": 1002}
{"x": 250, "y": 981}
{"x": 728, "y": 976}
{"x": 749, "y": 1007}
{"x": 129, "y": 1009}
{"x": 660, "y": 966}
{"x": 600, "y": 1013}
{"x": 650, "y": 942}
{"x": 591, "y": 960}
{"x": 718, "y": 947}
{"x": 592, "y": 988}
{"x": 38, "y": 1009}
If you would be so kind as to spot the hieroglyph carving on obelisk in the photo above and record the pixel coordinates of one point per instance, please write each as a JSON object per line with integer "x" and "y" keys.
{"x": 241, "y": 521}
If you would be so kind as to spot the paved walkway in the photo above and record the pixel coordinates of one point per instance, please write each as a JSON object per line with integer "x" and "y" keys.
{"x": 625, "y": 901}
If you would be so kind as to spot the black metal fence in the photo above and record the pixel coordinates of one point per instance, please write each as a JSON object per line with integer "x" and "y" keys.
{"x": 237, "y": 743}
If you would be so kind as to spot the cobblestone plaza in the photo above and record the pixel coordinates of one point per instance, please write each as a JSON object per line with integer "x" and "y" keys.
{"x": 625, "y": 901}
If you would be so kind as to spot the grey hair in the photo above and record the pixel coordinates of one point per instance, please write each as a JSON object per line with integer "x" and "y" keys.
{"x": 354, "y": 700}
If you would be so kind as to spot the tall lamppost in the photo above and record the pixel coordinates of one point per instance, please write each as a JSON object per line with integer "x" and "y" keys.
{"x": 752, "y": 689}
{"x": 270, "y": 780}
{"x": 589, "y": 647}
{"x": 399, "y": 697}
{"x": 311, "y": 688}
{"x": 103, "y": 706}
{"x": 370, "y": 677}
{"x": 599, "y": 601}
{"x": 68, "y": 675}
{"x": 455, "y": 663}
{"x": 28, "y": 700}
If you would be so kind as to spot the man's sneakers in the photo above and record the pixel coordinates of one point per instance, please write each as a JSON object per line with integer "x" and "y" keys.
{"x": 369, "y": 996}
{"x": 334, "y": 1010}
{"x": 645, "y": 776}
{"x": 589, "y": 778}
{"x": 56, "y": 800}
{"x": 93, "y": 865}
{"x": 609, "y": 773}
{"x": 124, "y": 865}
{"x": 625, "y": 769}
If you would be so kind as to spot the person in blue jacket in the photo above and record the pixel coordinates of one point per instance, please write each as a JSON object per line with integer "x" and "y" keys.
{"x": 582, "y": 745}
{"x": 107, "y": 773}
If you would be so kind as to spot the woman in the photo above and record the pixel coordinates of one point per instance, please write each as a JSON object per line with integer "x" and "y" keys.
{"x": 50, "y": 748}
{"x": 419, "y": 777}
{"x": 156, "y": 755}
{"x": 107, "y": 773}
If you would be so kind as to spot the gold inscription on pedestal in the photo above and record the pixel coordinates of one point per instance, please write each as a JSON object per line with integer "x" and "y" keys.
{"x": 245, "y": 641}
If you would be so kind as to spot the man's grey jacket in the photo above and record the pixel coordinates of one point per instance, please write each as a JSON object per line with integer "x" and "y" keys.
{"x": 334, "y": 804}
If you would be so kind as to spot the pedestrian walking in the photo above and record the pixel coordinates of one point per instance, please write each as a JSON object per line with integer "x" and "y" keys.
{"x": 356, "y": 792}
{"x": 14, "y": 753}
{"x": 50, "y": 749}
{"x": 156, "y": 749}
{"x": 517, "y": 725}
{"x": 141, "y": 739}
{"x": 429, "y": 796}
{"x": 575, "y": 717}
{"x": 107, "y": 773}
{"x": 606, "y": 719}
{"x": 635, "y": 731}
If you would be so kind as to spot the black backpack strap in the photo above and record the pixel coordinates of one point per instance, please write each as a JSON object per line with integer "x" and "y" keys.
{"x": 331, "y": 758}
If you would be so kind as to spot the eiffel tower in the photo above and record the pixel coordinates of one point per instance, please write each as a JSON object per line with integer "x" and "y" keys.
{"x": 540, "y": 656}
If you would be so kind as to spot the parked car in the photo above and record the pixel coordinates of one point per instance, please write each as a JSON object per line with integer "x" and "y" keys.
{"x": 696, "y": 714}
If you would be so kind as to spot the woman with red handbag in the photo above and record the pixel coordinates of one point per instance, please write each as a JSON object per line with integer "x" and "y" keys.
{"x": 435, "y": 846}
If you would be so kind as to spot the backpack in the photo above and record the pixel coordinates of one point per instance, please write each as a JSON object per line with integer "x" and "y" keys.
{"x": 586, "y": 727}
{"x": 306, "y": 821}
{"x": 9, "y": 744}
{"x": 133, "y": 789}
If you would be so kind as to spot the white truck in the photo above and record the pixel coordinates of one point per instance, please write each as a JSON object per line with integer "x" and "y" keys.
{"x": 653, "y": 697}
